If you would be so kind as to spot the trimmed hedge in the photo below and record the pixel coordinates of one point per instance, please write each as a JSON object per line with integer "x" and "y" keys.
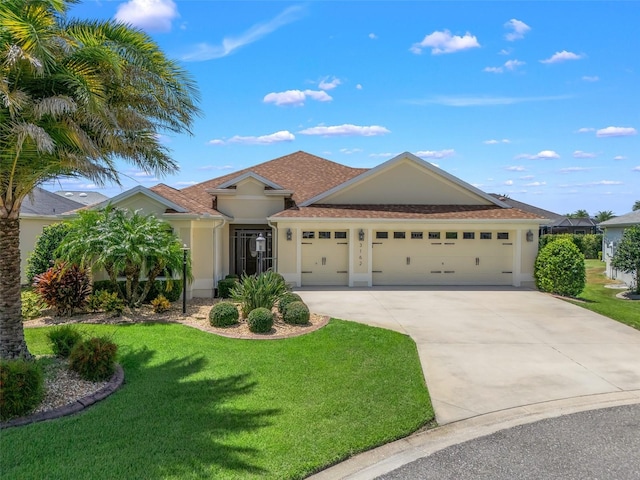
{"x": 225, "y": 286}
{"x": 560, "y": 269}
{"x": 589, "y": 244}
{"x": 260, "y": 320}
{"x": 21, "y": 387}
{"x": 296, "y": 313}
{"x": 224, "y": 314}
{"x": 286, "y": 299}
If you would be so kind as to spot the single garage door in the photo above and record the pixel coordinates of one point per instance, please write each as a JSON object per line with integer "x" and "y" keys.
{"x": 442, "y": 258}
{"x": 325, "y": 258}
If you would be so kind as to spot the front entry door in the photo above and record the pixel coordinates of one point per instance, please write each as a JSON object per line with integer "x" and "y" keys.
{"x": 244, "y": 256}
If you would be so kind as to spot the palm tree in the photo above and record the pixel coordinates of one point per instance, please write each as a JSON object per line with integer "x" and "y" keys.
{"x": 75, "y": 97}
{"x": 636, "y": 206}
{"x": 604, "y": 215}
{"x": 124, "y": 243}
{"x": 578, "y": 214}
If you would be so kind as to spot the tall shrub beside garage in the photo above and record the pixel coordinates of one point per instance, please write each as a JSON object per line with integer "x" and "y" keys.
{"x": 559, "y": 269}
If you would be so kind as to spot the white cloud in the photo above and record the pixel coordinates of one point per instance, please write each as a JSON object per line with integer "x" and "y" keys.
{"x": 619, "y": 157}
{"x": 383, "y": 155}
{"x": 505, "y": 51}
{"x": 373, "y": 36}
{"x": 141, "y": 174}
{"x": 185, "y": 183}
{"x": 494, "y": 142}
{"x": 527, "y": 177}
{"x": 493, "y": 69}
{"x": 510, "y": 65}
{"x": 516, "y": 168}
{"x": 205, "y": 51}
{"x": 326, "y": 84}
{"x": 543, "y": 155}
{"x": 509, "y": 182}
{"x": 435, "y": 153}
{"x": 588, "y": 78}
{"x": 483, "y": 101}
{"x": 151, "y": 15}
{"x": 349, "y": 151}
{"x": 581, "y": 154}
{"x": 535, "y": 184}
{"x": 586, "y": 130}
{"x": 345, "y": 130}
{"x": 518, "y": 29}
{"x": 574, "y": 169}
{"x": 278, "y": 137}
{"x": 636, "y": 169}
{"x": 216, "y": 167}
{"x": 562, "y": 56}
{"x": 358, "y": 87}
{"x": 607, "y": 182}
{"x": 444, "y": 42}
{"x": 296, "y": 98}
{"x": 616, "y": 132}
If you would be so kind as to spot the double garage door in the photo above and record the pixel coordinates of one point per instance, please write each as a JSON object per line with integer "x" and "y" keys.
{"x": 442, "y": 258}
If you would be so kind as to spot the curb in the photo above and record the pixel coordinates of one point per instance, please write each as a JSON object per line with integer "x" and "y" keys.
{"x": 115, "y": 382}
{"x": 386, "y": 458}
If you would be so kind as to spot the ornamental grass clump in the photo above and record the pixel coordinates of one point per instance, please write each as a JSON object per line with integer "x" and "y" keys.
{"x": 94, "y": 359}
{"x": 260, "y": 320}
{"x": 223, "y": 314}
{"x": 63, "y": 339}
{"x": 286, "y": 299}
{"x": 259, "y": 291}
{"x": 21, "y": 387}
{"x": 296, "y": 313}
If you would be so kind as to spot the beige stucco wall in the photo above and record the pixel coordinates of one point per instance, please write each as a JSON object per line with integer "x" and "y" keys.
{"x": 249, "y": 204}
{"x": 406, "y": 183}
{"x": 139, "y": 201}
{"x": 30, "y": 229}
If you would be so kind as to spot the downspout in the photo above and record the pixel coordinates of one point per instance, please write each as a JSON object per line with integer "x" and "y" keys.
{"x": 217, "y": 256}
{"x": 274, "y": 246}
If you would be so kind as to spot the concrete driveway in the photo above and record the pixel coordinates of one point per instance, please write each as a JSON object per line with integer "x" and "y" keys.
{"x": 485, "y": 349}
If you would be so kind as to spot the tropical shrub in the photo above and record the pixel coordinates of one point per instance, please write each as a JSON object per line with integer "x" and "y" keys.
{"x": 286, "y": 299}
{"x": 158, "y": 287}
{"x": 255, "y": 291}
{"x": 589, "y": 244}
{"x": 32, "y": 305}
{"x": 559, "y": 269}
{"x": 94, "y": 358}
{"x": 63, "y": 339}
{"x": 106, "y": 301}
{"x": 296, "y": 313}
{"x": 260, "y": 320}
{"x": 160, "y": 304}
{"x": 43, "y": 255}
{"x": 21, "y": 387}
{"x": 223, "y": 314}
{"x": 64, "y": 287}
{"x": 225, "y": 286}
{"x": 627, "y": 255}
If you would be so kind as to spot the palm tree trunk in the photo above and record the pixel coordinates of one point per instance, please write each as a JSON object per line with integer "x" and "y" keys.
{"x": 12, "y": 343}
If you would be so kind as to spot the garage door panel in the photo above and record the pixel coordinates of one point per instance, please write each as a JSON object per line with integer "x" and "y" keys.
{"x": 325, "y": 262}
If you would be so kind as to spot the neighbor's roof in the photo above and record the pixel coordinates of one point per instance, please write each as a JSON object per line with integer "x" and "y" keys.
{"x": 408, "y": 212}
{"x": 305, "y": 174}
{"x": 43, "y": 202}
{"x": 526, "y": 207}
{"x": 573, "y": 222}
{"x": 628, "y": 219}
{"x": 85, "y": 198}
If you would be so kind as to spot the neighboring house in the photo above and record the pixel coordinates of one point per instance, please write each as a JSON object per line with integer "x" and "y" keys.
{"x": 39, "y": 209}
{"x": 613, "y": 230}
{"x": 85, "y": 198}
{"x": 577, "y": 225}
{"x": 404, "y": 222}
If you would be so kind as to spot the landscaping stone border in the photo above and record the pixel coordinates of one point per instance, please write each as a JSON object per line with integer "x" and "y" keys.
{"x": 115, "y": 382}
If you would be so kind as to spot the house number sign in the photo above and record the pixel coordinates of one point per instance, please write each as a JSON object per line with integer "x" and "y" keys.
{"x": 360, "y": 255}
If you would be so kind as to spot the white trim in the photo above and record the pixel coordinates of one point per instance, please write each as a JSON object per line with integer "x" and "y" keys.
{"x": 143, "y": 190}
{"x": 399, "y": 158}
{"x": 369, "y": 220}
{"x": 244, "y": 176}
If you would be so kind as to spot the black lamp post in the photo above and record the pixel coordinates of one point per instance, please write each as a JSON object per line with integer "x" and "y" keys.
{"x": 260, "y": 248}
{"x": 185, "y": 249}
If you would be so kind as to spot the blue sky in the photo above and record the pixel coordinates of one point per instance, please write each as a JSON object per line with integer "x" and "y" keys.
{"x": 537, "y": 100}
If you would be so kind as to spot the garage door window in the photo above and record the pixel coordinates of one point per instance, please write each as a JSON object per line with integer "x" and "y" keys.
{"x": 434, "y": 235}
{"x": 399, "y": 235}
{"x": 485, "y": 235}
{"x": 503, "y": 235}
{"x": 468, "y": 235}
{"x": 308, "y": 234}
{"x": 340, "y": 235}
{"x": 416, "y": 235}
{"x": 451, "y": 235}
{"x": 324, "y": 235}
{"x": 382, "y": 235}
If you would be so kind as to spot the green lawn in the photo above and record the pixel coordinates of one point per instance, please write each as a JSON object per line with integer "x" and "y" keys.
{"x": 195, "y": 405}
{"x": 603, "y": 300}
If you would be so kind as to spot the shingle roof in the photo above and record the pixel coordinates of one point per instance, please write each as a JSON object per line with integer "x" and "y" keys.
{"x": 43, "y": 202}
{"x": 179, "y": 198}
{"x": 85, "y": 198}
{"x": 307, "y": 175}
{"x": 632, "y": 218}
{"x": 573, "y": 222}
{"x": 526, "y": 207}
{"x": 406, "y": 212}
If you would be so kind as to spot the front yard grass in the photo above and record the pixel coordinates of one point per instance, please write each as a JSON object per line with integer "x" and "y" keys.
{"x": 195, "y": 406}
{"x": 598, "y": 298}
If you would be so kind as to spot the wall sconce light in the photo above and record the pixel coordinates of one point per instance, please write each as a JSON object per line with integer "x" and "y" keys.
{"x": 529, "y": 236}
{"x": 289, "y": 234}
{"x": 361, "y": 235}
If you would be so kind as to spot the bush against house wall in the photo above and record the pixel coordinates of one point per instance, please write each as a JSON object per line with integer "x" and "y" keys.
{"x": 43, "y": 255}
{"x": 589, "y": 244}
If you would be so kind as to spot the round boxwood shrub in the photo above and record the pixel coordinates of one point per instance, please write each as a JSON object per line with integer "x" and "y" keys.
{"x": 296, "y": 313}
{"x": 223, "y": 314}
{"x": 63, "y": 339}
{"x": 225, "y": 286}
{"x": 260, "y": 320}
{"x": 559, "y": 269}
{"x": 21, "y": 387}
{"x": 286, "y": 299}
{"x": 94, "y": 359}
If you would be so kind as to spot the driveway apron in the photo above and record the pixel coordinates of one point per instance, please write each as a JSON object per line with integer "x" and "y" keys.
{"x": 485, "y": 349}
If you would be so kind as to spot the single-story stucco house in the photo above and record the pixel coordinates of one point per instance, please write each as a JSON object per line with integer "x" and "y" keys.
{"x": 404, "y": 222}
{"x": 613, "y": 230}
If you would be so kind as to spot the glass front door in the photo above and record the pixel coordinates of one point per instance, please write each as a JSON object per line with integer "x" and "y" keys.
{"x": 245, "y": 259}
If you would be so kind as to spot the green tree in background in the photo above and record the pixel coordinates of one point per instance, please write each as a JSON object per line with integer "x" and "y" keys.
{"x": 627, "y": 256}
